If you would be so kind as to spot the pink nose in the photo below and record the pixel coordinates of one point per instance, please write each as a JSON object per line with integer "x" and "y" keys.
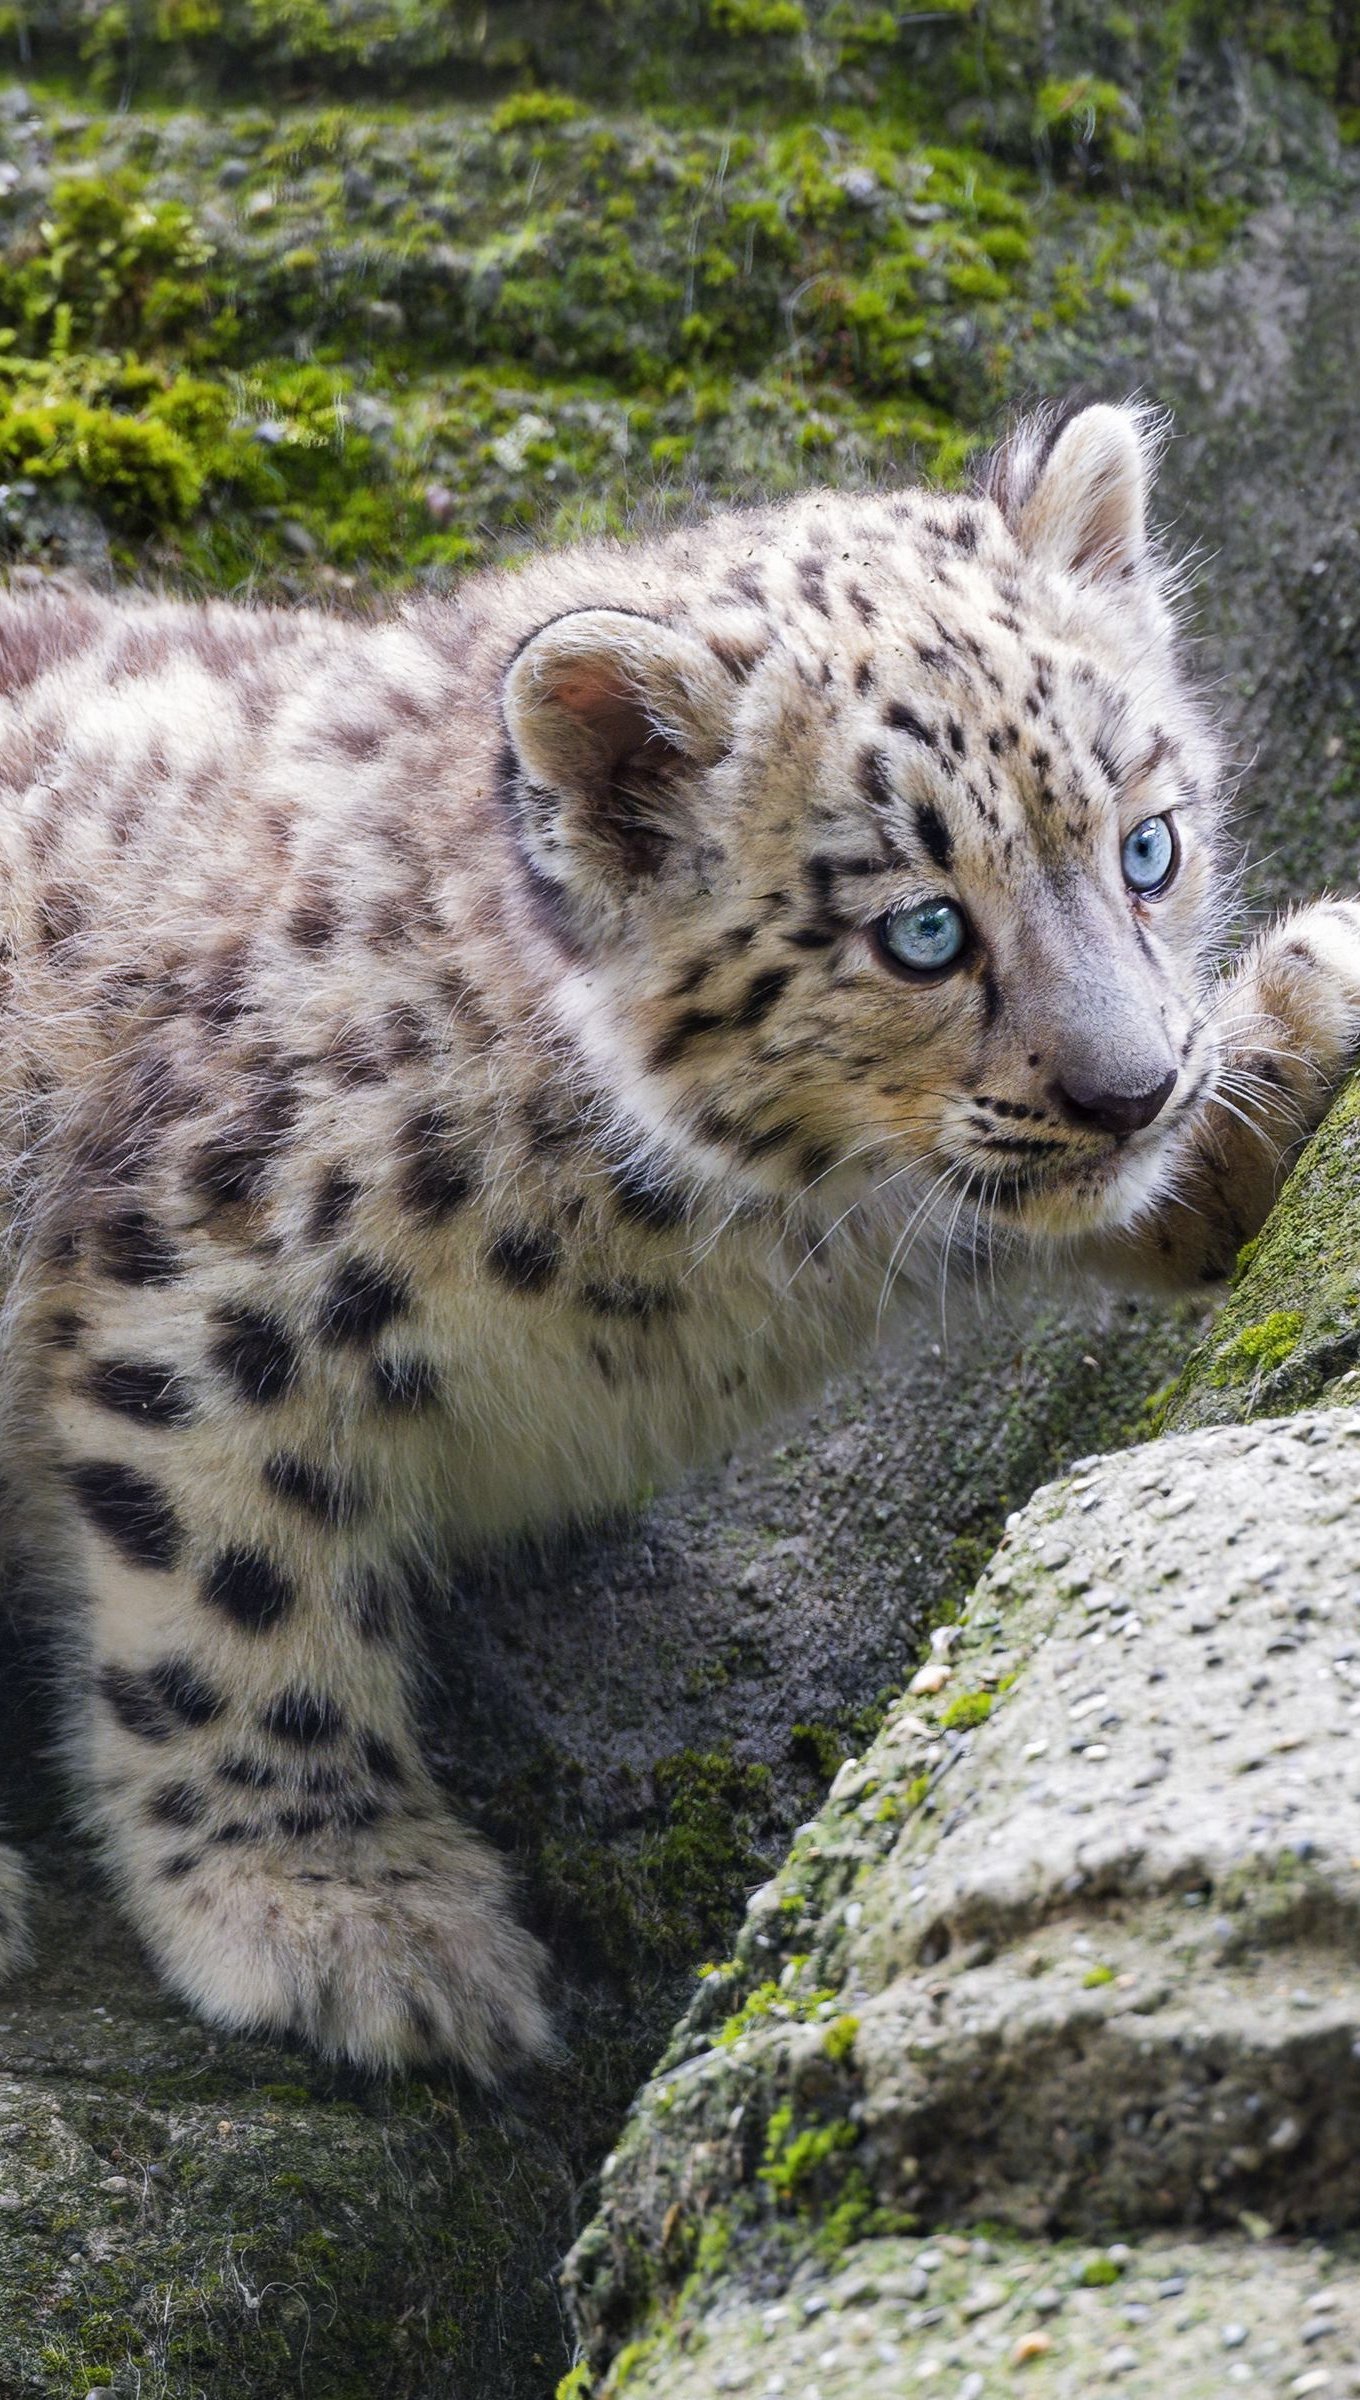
{"x": 1112, "y": 1112}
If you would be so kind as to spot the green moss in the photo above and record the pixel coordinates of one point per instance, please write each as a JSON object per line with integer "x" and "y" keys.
{"x": 577, "y": 2384}
{"x": 1100, "y": 2271}
{"x": 839, "y": 2039}
{"x": 1258, "y": 1348}
{"x": 1096, "y": 1977}
{"x": 970, "y": 1708}
{"x": 1289, "y": 1334}
{"x": 758, "y": 17}
{"x": 794, "y": 2155}
{"x": 534, "y": 108}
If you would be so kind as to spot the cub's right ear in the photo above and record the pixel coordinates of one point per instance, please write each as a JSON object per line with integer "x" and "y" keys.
{"x": 609, "y": 718}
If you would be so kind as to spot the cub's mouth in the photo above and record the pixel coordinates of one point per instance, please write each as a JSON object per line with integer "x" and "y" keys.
{"x": 1068, "y": 1190}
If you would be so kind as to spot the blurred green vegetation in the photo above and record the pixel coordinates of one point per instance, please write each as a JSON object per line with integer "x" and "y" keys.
{"x": 315, "y": 296}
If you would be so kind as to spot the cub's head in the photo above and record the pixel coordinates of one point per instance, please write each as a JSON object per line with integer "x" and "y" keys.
{"x": 877, "y": 837}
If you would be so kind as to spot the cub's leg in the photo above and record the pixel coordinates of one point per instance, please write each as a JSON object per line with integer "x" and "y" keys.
{"x": 243, "y": 1724}
{"x": 1288, "y": 1022}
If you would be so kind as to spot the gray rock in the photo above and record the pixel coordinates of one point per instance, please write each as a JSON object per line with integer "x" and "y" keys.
{"x": 1110, "y": 2056}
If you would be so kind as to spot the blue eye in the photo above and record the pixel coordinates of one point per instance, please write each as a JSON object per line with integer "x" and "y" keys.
{"x": 927, "y": 938}
{"x": 1149, "y": 855}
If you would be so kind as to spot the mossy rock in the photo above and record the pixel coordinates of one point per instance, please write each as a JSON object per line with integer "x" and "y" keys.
{"x": 1289, "y": 1336}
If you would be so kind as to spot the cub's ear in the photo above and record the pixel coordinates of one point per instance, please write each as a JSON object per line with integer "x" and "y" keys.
{"x": 610, "y": 717}
{"x": 1074, "y": 490}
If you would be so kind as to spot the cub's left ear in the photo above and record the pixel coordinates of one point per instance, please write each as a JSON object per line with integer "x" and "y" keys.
{"x": 610, "y": 718}
{"x": 1079, "y": 502}
{"x": 605, "y": 711}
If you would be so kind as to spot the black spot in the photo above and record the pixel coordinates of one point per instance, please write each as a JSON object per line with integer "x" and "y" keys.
{"x": 438, "y": 1177}
{"x": 228, "y": 1172}
{"x": 864, "y": 676}
{"x": 905, "y": 720}
{"x": 822, "y": 870}
{"x": 1105, "y": 760}
{"x": 236, "y": 1830}
{"x": 248, "y": 1773}
{"x": 525, "y": 1258}
{"x": 304, "y": 1717}
{"x": 188, "y": 1695}
{"x": 625, "y": 1297}
{"x": 256, "y": 1353}
{"x": 739, "y": 658}
{"x": 179, "y": 1864}
{"x": 810, "y": 937}
{"x": 380, "y": 1758}
{"x": 873, "y": 779}
{"x": 299, "y": 1822}
{"x": 135, "y": 1705}
{"x": 361, "y": 1298}
{"x": 861, "y": 603}
{"x": 760, "y": 996}
{"x": 332, "y": 1202}
{"x": 935, "y": 835}
{"x": 811, "y": 573}
{"x": 656, "y": 1206}
{"x": 141, "y": 1388}
{"x": 130, "y": 1510}
{"x": 246, "y": 1586}
{"x": 129, "y": 1247}
{"x": 176, "y": 1804}
{"x": 64, "y": 1329}
{"x": 377, "y": 1607}
{"x": 328, "y": 1498}
{"x": 314, "y": 922}
{"x": 403, "y": 1383}
{"x": 816, "y": 1160}
{"x": 158, "y": 1703}
{"x": 690, "y": 1026}
{"x": 991, "y": 997}
{"x": 958, "y": 740}
{"x": 747, "y": 581}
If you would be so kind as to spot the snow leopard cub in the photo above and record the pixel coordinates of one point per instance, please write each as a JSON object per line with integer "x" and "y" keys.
{"x": 459, "y": 1070}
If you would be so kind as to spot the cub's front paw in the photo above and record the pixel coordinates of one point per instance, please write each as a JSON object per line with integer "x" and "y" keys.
{"x": 389, "y": 1953}
{"x": 1307, "y": 978}
{"x": 13, "y": 1911}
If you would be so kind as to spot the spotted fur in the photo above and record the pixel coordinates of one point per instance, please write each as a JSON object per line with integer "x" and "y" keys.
{"x": 454, "y": 1078}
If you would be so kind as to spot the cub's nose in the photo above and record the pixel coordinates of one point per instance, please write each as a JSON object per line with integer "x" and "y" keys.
{"x": 1111, "y": 1112}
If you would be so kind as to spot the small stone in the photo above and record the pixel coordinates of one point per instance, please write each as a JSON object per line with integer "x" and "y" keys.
{"x": 972, "y": 2387}
{"x": 860, "y": 186}
{"x": 1233, "y": 2336}
{"x": 1318, "y": 2329}
{"x": 931, "y": 1678}
{"x": 982, "y": 2300}
{"x": 1171, "y": 2288}
{"x": 930, "y": 2261}
{"x": 1120, "y": 2361}
{"x": 1314, "y": 2379}
{"x": 915, "y": 2284}
{"x": 1029, "y": 2347}
{"x": 232, "y": 173}
{"x": 1047, "y": 2301}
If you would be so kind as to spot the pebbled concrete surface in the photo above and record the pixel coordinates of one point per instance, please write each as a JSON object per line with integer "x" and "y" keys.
{"x": 1085, "y": 1968}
